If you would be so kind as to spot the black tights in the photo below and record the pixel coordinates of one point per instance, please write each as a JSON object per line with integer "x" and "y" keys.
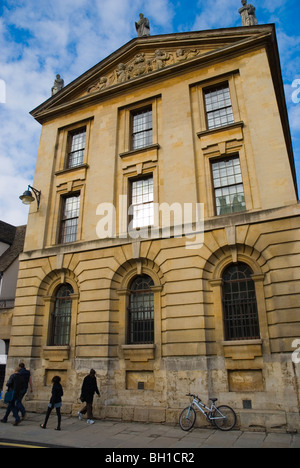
{"x": 58, "y": 416}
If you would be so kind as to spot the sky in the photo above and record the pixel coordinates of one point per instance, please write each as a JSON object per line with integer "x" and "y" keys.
{"x": 39, "y": 39}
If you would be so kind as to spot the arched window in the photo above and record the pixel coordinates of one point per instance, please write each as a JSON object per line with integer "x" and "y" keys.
{"x": 239, "y": 303}
{"x": 61, "y": 317}
{"x": 141, "y": 311}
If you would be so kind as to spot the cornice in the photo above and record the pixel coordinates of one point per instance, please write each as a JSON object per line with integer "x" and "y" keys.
{"x": 210, "y": 224}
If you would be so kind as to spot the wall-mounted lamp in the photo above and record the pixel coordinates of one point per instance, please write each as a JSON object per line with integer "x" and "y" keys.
{"x": 27, "y": 197}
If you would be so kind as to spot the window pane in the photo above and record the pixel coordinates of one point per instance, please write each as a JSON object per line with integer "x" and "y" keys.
{"x": 61, "y": 320}
{"x": 77, "y": 146}
{"x": 239, "y": 303}
{"x": 218, "y": 106}
{"x": 229, "y": 190}
{"x": 142, "y": 203}
{"x": 142, "y": 134}
{"x": 69, "y": 222}
{"x": 141, "y": 311}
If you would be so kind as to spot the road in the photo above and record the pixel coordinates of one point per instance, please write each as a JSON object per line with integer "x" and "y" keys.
{"x": 24, "y": 445}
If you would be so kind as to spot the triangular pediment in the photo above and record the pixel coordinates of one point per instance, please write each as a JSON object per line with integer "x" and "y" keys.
{"x": 144, "y": 63}
{"x": 147, "y": 58}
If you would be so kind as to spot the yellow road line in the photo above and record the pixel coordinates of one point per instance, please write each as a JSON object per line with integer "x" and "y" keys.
{"x": 10, "y": 444}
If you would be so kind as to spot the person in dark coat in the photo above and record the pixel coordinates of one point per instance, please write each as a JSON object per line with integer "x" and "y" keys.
{"x": 15, "y": 383}
{"x": 27, "y": 381}
{"x": 89, "y": 388}
{"x": 55, "y": 402}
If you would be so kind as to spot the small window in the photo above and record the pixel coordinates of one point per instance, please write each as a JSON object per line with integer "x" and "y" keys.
{"x": 142, "y": 131}
{"x": 61, "y": 317}
{"x": 239, "y": 303}
{"x": 76, "y": 148}
{"x": 142, "y": 207}
{"x": 228, "y": 186}
{"x": 141, "y": 311}
{"x": 69, "y": 221}
{"x": 218, "y": 106}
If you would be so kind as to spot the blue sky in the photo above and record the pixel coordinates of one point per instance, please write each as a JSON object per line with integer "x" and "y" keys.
{"x": 39, "y": 39}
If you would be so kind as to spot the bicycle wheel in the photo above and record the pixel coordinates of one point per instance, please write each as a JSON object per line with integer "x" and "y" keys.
{"x": 224, "y": 418}
{"x": 187, "y": 418}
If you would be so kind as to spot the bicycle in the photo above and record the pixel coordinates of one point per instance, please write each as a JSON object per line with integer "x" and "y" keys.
{"x": 223, "y": 417}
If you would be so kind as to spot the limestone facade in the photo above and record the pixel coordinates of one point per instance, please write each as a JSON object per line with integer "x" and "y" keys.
{"x": 191, "y": 348}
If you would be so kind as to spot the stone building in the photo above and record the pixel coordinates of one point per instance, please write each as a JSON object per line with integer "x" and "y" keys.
{"x": 166, "y": 123}
{"x": 11, "y": 245}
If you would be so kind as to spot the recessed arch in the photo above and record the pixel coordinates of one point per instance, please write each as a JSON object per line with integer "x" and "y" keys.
{"x": 213, "y": 271}
{"x": 54, "y": 279}
{"x": 127, "y": 271}
{"x": 240, "y": 314}
{"x": 223, "y": 257}
{"x": 61, "y": 316}
{"x": 46, "y": 307}
{"x": 141, "y": 310}
{"x": 120, "y": 296}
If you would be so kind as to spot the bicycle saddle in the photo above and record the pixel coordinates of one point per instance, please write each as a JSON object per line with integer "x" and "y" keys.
{"x": 213, "y": 399}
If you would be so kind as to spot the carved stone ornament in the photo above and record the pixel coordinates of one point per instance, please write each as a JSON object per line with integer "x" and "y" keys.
{"x": 142, "y": 64}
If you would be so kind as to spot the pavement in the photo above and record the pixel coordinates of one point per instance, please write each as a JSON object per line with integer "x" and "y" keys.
{"x": 118, "y": 435}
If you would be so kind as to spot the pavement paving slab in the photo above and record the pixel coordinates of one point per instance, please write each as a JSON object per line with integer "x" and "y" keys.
{"x": 250, "y": 440}
{"x": 113, "y": 434}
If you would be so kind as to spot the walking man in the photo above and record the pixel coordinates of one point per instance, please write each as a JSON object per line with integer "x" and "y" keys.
{"x": 27, "y": 382}
{"x": 89, "y": 388}
{"x": 16, "y": 384}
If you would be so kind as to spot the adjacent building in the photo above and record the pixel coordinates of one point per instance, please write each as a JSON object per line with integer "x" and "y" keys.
{"x": 11, "y": 245}
{"x": 119, "y": 274}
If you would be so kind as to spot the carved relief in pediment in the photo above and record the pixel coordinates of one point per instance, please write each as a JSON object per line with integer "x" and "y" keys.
{"x": 142, "y": 64}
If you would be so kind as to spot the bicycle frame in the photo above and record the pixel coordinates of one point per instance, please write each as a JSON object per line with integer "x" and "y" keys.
{"x": 205, "y": 410}
{"x": 223, "y": 417}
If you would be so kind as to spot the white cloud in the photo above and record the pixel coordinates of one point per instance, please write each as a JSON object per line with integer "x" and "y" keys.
{"x": 273, "y": 5}
{"x": 161, "y": 12}
{"x": 289, "y": 49}
{"x": 214, "y": 14}
{"x": 13, "y": 184}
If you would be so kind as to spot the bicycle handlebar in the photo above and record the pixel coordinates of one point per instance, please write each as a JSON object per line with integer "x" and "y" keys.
{"x": 194, "y": 396}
